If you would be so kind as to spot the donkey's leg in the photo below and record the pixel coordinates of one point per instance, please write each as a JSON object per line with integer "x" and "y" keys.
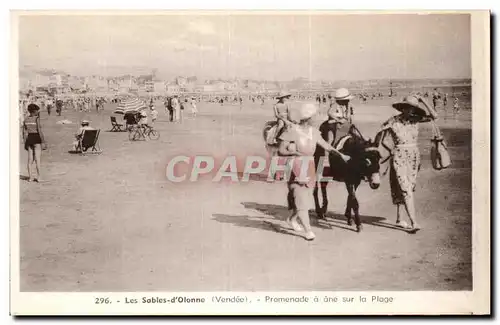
{"x": 319, "y": 212}
{"x": 349, "y": 204}
{"x": 355, "y": 206}
{"x": 324, "y": 193}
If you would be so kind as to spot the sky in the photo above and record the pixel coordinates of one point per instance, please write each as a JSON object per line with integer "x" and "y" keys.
{"x": 264, "y": 46}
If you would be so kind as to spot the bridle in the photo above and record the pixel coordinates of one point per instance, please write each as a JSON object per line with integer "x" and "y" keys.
{"x": 378, "y": 143}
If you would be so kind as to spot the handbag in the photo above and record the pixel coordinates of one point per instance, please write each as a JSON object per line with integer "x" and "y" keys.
{"x": 439, "y": 152}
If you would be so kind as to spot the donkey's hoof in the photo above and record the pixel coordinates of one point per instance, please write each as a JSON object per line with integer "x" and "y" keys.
{"x": 320, "y": 213}
{"x": 359, "y": 228}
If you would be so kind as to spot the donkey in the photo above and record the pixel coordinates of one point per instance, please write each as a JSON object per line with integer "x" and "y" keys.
{"x": 364, "y": 165}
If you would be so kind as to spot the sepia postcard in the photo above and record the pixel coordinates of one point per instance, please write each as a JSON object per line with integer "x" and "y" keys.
{"x": 250, "y": 163}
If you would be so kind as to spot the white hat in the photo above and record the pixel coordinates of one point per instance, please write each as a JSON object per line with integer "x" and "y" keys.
{"x": 343, "y": 94}
{"x": 305, "y": 111}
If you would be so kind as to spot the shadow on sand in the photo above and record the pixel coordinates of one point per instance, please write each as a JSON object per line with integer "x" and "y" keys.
{"x": 277, "y": 215}
{"x": 255, "y": 222}
{"x": 332, "y": 220}
{"x": 367, "y": 220}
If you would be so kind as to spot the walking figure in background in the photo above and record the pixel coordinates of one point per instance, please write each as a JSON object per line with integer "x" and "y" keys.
{"x": 405, "y": 159}
{"x": 182, "y": 107}
{"x": 175, "y": 103}
{"x": 169, "y": 108}
{"x": 194, "y": 110}
{"x": 34, "y": 141}
{"x": 435, "y": 98}
{"x": 456, "y": 108}
{"x": 50, "y": 103}
{"x": 59, "y": 106}
{"x": 87, "y": 105}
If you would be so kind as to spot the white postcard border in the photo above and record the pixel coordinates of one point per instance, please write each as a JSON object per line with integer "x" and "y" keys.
{"x": 466, "y": 302}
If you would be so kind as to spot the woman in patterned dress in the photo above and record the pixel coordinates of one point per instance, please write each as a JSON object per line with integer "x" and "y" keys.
{"x": 405, "y": 161}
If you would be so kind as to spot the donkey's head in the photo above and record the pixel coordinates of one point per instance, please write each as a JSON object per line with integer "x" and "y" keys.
{"x": 369, "y": 157}
{"x": 371, "y": 164}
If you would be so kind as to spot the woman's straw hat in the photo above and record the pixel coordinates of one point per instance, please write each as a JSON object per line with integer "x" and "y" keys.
{"x": 343, "y": 94}
{"x": 283, "y": 94}
{"x": 304, "y": 112}
{"x": 411, "y": 102}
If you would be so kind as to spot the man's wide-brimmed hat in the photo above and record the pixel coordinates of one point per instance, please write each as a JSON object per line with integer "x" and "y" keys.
{"x": 283, "y": 94}
{"x": 343, "y": 94}
{"x": 410, "y": 102}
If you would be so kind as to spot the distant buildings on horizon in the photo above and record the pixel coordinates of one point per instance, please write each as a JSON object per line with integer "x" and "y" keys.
{"x": 64, "y": 83}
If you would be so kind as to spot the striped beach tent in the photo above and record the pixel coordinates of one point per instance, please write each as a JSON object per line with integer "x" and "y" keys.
{"x": 129, "y": 105}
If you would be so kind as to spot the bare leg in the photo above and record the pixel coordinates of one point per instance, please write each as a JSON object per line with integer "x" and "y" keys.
{"x": 279, "y": 130}
{"x": 272, "y": 170}
{"x": 304, "y": 220}
{"x": 38, "y": 160}
{"x": 31, "y": 158}
{"x": 292, "y": 221}
{"x": 398, "y": 214}
{"x": 410, "y": 210}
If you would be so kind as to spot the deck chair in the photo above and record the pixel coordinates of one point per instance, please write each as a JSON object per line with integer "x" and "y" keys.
{"x": 116, "y": 127}
{"x": 89, "y": 142}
